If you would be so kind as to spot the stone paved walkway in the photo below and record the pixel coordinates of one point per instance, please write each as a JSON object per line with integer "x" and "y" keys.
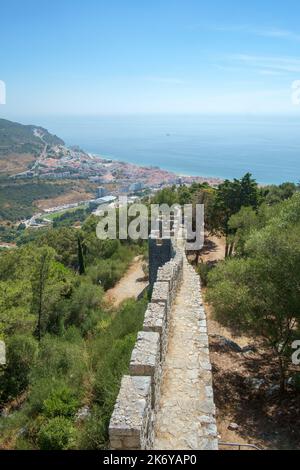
{"x": 185, "y": 416}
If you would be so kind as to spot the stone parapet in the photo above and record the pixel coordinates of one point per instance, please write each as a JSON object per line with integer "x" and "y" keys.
{"x": 161, "y": 294}
{"x": 133, "y": 420}
{"x": 146, "y": 354}
{"x": 146, "y": 360}
{"x": 156, "y": 320}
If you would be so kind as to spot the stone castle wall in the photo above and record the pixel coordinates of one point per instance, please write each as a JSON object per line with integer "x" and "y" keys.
{"x": 133, "y": 418}
{"x": 160, "y": 252}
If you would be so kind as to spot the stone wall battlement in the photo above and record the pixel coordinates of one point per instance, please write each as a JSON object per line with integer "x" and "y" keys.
{"x": 133, "y": 422}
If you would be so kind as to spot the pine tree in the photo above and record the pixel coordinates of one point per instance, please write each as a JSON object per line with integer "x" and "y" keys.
{"x": 81, "y": 267}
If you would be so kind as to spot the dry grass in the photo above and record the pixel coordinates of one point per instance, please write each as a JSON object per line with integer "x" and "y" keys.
{"x": 70, "y": 197}
{"x": 15, "y": 162}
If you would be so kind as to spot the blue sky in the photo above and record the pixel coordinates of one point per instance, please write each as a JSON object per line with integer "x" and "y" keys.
{"x": 137, "y": 56}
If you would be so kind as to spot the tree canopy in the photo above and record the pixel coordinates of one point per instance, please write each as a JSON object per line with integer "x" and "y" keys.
{"x": 259, "y": 292}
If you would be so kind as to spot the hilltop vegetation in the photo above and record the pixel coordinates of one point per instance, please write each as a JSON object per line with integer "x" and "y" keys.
{"x": 21, "y": 145}
{"x": 18, "y": 138}
{"x": 17, "y": 199}
{"x": 66, "y": 348}
{"x": 256, "y": 290}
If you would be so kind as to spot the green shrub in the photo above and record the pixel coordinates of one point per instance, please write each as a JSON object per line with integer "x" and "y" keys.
{"x": 57, "y": 434}
{"x": 22, "y": 444}
{"x": 203, "y": 269}
{"x": 296, "y": 381}
{"x": 41, "y": 389}
{"x": 113, "y": 364}
{"x": 72, "y": 335}
{"x": 94, "y": 434}
{"x": 106, "y": 272}
{"x": 21, "y": 355}
{"x": 61, "y": 402}
{"x": 60, "y": 359}
{"x": 85, "y": 302}
{"x": 61, "y": 364}
{"x": 129, "y": 318}
{"x": 32, "y": 429}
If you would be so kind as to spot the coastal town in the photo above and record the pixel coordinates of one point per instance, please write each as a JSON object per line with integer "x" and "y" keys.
{"x": 112, "y": 178}
{"x": 61, "y": 162}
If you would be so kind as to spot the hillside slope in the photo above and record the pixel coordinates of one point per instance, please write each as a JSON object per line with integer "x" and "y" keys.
{"x": 21, "y": 144}
{"x": 18, "y": 138}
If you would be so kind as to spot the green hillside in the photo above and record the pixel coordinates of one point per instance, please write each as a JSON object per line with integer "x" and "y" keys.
{"x": 18, "y": 138}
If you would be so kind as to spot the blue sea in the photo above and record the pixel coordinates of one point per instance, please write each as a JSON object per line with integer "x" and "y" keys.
{"x": 218, "y": 146}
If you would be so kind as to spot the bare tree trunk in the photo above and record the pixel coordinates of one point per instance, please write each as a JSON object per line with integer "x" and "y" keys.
{"x": 226, "y": 249}
{"x": 282, "y": 374}
{"x": 39, "y": 287}
{"x": 40, "y": 306}
{"x": 39, "y": 326}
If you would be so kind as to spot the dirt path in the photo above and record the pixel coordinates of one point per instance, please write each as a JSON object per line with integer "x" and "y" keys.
{"x": 214, "y": 249}
{"x": 131, "y": 284}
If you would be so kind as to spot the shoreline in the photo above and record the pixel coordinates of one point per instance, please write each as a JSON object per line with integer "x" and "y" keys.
{"x": 212, "y": 180}
{"x": 215, "y": 179}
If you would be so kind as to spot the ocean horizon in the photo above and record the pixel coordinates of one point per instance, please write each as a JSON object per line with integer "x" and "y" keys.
{"x": 220, "y": 146}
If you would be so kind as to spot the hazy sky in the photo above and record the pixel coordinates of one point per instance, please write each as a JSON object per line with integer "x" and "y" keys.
{"x": 174, "y": 56}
